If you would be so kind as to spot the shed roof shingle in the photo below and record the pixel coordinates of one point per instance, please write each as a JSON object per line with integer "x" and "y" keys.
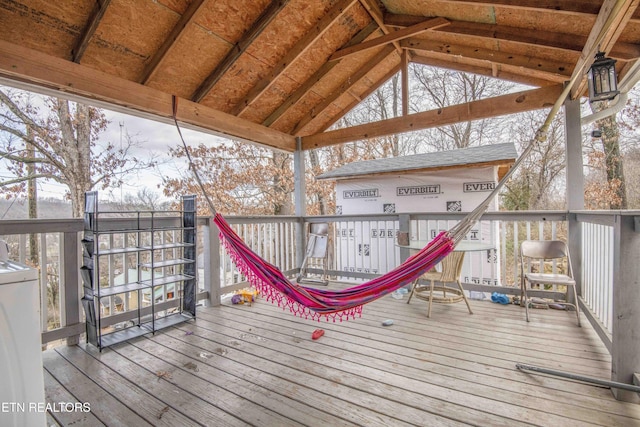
{"x": 505, "y": 152}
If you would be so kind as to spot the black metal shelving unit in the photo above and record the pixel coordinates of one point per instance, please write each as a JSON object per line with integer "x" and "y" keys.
{"x": 164, "y": 269}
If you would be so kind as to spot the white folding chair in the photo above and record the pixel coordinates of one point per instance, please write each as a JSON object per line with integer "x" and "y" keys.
{"x": 317, "y": 245}
{"x": 536, "y": 252}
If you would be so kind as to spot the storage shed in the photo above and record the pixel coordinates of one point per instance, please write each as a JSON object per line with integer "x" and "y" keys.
{"x": 446, "y": 181}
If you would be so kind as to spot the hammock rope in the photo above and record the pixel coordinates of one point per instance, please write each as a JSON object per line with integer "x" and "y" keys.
{"x": 343, "y": 304}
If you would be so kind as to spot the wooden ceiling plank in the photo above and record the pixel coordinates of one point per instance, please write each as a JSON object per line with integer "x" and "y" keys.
{"x": 489, "y": 70}
{"x": 299, "y": 93}
{"x": 173, "y": 37}
{"x": 294, "y": 53}
{"x": 556, "y": 71}
{"x": 316, "y": 77}
{"x": 362, "y": 96}
{"x": 65, "y": 77}
{"x": 562, "y": 41}
{"x": 239, "y": 48}
{"x": 394, "y": 36}
{"x": 613, "y": 13}
{"x": 476, "y": 110}
{"x": 351, "y": 81}
{"x": 96, "y": 16}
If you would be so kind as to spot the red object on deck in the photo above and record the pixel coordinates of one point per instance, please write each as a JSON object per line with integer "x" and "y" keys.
{"x": 317, "y": 334}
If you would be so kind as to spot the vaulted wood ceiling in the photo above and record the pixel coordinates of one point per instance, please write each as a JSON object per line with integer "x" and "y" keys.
{"x": 270, "y": 71}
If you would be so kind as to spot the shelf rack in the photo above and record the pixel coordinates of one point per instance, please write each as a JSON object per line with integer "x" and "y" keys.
{"x": 154, "y": 253}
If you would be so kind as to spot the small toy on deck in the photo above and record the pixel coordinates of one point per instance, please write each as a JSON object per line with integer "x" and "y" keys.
{"x": 246, "y": 295}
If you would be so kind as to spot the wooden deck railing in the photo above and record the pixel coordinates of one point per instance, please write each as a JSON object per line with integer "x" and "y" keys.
{"x": 609, "y": 287}
{"x": 363, "y": 246}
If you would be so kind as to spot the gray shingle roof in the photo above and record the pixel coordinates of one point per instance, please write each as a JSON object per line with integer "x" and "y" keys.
{"x": 467, "y": 156}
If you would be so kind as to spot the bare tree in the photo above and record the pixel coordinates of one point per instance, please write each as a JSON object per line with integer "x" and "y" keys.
{"x": 61, "y": 145}
{"x": 440, "y": 88}
{"x": 537, "y": 183}
{"x": 632, "y": 177}
{"x": 239, "y": 178}
{"x": 145, "y": 199}
{"x": 612, "y": 159}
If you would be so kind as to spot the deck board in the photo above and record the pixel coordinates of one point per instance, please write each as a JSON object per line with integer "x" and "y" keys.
{"x": 55, "y": 392}
{"x": 257, "y": 365}
{"x": 253, "y": 385}
{"x": 467, "y": 392}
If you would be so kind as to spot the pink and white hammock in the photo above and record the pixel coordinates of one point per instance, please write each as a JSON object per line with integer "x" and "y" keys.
{"x": 317, "y": 304}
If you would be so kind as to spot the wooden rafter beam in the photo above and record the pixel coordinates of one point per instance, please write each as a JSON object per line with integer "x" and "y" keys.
{"x": 96, "y": 16}
{"x": 294, "y": 53}
{"x": 351, "y": 81}
{"x": 430, "y": 24}
{"x": 374, "y": 11}
{"x": 591, "y": 7}
{"x": 372, "y": 8}
{"x": 542, "y": 68}
{"x": 362, "y": 96}
{"x": 612, "y": 18}
{"x": 239, "y": 48}
{"x": 483, "y": 68}
{"x": 171, "y": 40}
{"x": 476, "y": 110}
{"x": 629, "y": 76}
{"x": 38, "y": 69}
{"x": 316, "y": 77}
{"x": 503, "y": 33}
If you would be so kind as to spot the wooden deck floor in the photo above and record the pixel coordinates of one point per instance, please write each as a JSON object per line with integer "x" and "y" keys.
{"x": 242, "y": 365}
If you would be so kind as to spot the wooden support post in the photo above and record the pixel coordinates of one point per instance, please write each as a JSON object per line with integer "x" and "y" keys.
{"x": 405, "y": 82}
{"x": 70, "y": 282}
{"x": 575, "y": 185}
{"x": 300, "y": 200}
{"x": 212, "y": 263}
{"x": 625, "y": 357}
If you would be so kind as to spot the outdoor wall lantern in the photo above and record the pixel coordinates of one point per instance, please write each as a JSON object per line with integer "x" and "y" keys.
{"x": 603, "y": 83}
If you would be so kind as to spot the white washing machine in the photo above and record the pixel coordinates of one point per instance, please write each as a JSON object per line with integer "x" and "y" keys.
{"x": 21, "y": 373}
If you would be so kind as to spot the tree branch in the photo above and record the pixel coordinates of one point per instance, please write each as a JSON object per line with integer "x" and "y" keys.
{"x": 31, "y": 160}
{"x": 20, "y": 179}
